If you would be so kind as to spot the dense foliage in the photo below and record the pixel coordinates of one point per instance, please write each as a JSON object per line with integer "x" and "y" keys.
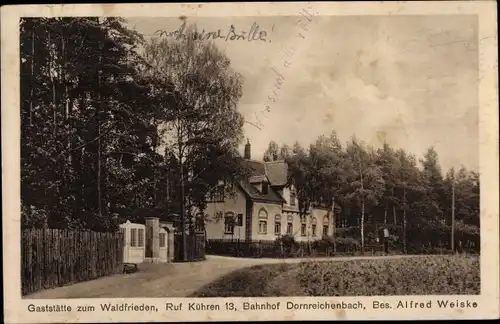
{"x": 112, "y": 123}
{"x": 384, "y": 186}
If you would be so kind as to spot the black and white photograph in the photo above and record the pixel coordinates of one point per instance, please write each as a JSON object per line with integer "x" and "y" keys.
{"x": 245, "y": 156}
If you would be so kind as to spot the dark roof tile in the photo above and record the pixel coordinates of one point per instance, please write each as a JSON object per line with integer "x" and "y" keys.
{"x": 255, "y": 194}
{"x": 277, "y": 172}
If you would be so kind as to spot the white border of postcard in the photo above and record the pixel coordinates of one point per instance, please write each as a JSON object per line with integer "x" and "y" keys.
{"x": 16, "y": 309}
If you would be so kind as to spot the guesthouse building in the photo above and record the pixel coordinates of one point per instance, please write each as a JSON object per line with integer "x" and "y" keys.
{"x": 263, "y": 206}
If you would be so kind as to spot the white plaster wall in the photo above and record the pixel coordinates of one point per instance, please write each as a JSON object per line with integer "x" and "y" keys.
{"x": 236, "y": 204}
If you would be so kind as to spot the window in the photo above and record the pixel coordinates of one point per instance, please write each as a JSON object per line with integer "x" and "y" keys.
{"x": 217, "y": 194}
{"x": 229, "y": 223}
{"x": 289, "y": 225}
{"x": 133, "y": 237}
{"x": 262, "y": 227}
{"x": 162, "y": 240}
{"x": 326, "y": 222}
{"x": 262, "y": 221}
{"x": 292, "y": 197}
{"x": 265, "y": 188}
{"x": 239, "y": 220}
{"x": 303, "y": 229}
{"x": 277, "y": 228}
{"x": 277, "y": 224}
{"x": 313, "y": 226}
{"x": 262, "y": 214}
{"x": 140, "y": 240}
{"x": 303, "y": 225}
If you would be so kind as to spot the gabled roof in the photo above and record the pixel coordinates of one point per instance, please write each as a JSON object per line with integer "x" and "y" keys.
{"x": 277, "y": 172}
{"x": 257, "y": 174}
{"x": 257, "y": 168}
{"x": 254, "y": 194}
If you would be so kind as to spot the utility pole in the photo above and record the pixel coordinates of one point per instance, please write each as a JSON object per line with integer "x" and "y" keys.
{"x": 453, "y": 212}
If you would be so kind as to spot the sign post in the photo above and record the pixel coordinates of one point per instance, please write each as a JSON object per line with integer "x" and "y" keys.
{"x": 386, "y": 240}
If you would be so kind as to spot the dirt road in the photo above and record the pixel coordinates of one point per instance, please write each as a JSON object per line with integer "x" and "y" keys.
{"x": 167, "y": 280}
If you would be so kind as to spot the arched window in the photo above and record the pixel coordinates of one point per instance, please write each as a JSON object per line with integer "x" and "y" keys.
{"x": 303, "y": 225}
{"x": 262, "y": 221}
{"x": 289, "y": 225}
{"x": 229, "y": 223}
{"x": 277, "y": 224}
{"x": 313, "y": 226}
{"x": 326, "y": 223}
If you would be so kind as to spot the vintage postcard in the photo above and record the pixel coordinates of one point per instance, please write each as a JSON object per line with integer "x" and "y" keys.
{"x": 250, "y": 161}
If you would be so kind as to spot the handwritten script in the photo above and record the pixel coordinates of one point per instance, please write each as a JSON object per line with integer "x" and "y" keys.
{"x": 288, "y": 53}
{"x": 254, "y": 33}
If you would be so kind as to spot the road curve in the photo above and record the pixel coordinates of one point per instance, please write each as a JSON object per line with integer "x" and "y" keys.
{"x": 172, "y": 279}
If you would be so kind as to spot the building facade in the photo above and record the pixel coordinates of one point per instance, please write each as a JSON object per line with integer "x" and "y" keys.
{"x": 262, "y": 207}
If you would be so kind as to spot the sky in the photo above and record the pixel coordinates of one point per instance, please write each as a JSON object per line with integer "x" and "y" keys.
{"x": 410, "y": 81}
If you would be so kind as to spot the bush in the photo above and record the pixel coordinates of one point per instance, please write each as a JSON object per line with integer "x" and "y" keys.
{"x": 289, "y": 240}
{"x": 33, "y": 217}
{"x": 323, "y": 244}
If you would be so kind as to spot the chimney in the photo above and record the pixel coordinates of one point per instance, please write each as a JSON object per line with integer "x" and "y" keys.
{"x": 247, "y": 150}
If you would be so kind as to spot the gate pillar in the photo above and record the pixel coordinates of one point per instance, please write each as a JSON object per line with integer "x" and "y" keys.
{"x": 152, "y": 239}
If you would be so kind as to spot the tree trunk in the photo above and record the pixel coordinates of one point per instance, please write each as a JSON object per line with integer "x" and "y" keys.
{"x": 394, "y": 214}
{"x": 167, "y": 191}
{"x": 182, "y": 211}
{"x": 80, "y": 184}
{"x": 404, "y": 220}
{"x": 53, "y": 84}
{"x": 453, "y": 214}
{"x": 98, "y": 153}
{"x": 66, "y": 99}
{"x": 385, "y": 215}
{"x": 32, "y": 83}
{"x": 362, "y": 225}
{"x": 334, "y": 222}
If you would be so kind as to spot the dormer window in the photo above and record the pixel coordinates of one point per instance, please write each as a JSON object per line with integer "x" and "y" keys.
{"x": 217, "y": 193}
{"x": 292, "y": 197}
{"x": 265, "y": 188}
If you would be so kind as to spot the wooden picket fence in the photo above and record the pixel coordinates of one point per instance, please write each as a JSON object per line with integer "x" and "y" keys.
{"x": 52, "y": 257}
